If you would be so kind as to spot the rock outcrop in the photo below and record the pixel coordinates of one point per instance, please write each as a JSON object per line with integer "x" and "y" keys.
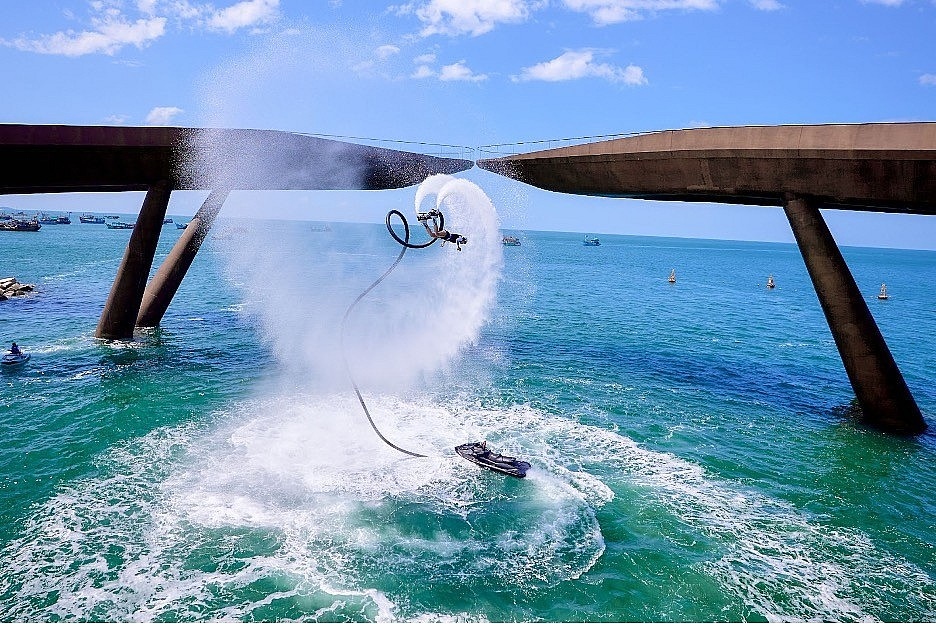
{"x": 10, "y": 287}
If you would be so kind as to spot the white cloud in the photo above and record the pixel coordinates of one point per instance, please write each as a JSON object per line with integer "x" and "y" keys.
{"x": 386, "y": 51}
{"x": 111, "y": 29}
{"x": 928, "y": 80}
{"x": 461, "y": 17}
{"x": 460, "y": 71}
{"x": 884, "y": 2}
{"x": 162, "y": 115}
{"x": 425, "y": 59}
{"x": 766, "y": 5}
{"x": 577, "y": 64}
{"x": 244, "y": 14}
{"x": 110, "y": 34}
{"x": 423, "y": 71}
{"x": 605, "y": 12}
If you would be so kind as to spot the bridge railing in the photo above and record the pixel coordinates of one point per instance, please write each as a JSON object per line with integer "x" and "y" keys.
{"x": 440, "y": 150}
{"x": 498, "y": 150}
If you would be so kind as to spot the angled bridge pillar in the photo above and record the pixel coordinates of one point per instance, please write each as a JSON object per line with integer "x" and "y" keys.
{"x": 123, "y": 303}
{"x": 879, "y": 386}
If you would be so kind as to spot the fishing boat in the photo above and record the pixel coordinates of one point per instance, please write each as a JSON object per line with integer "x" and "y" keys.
{"x": 770, "y": 282}
{"x": 14, "y": 359}
{"x": 90, "y": 218}
{"x": 321, "y": 228}
{"x": 672, "y": 277}
{"x": 181, "y": 226}
{"x": 883, "y": 294}
{"x": 167, "y": 221}
{"x": 479, "y": 453}
{"x": 591, "y": 241}
{"x": 17, "y": 225}
{"x": 4, "y": 216}
{"x": 511, "y": 241}
{"x": 121, "y": 225}
{"x": 45, "y": 219}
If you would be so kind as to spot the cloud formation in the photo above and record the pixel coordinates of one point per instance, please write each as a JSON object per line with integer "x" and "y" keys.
{"x": 111, "y": 29}
{"x": 467, "y": 17}
{"x": 460, "y": 71}
{"x": 577, "y": 64}
{"x": 162, "y": 115}
{"x": 605, "y": 12}
{"x": 928, "y": 80}
{"x": 767, "y": 5}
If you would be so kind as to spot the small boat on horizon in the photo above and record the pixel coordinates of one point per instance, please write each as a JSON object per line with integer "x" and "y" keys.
{"x": 90, "y": 218}
{"x": 167, "y": 221}
{"x": 672, "y": 277}
{"x": 883, "y": 294}
{"x": 181, "y": 226}
{"x": 19, "y": 225}
{"x": 120, "y": 225}
{"x": 511, "y": 241}
{"x": 45, "y": 219}
{"x": 591, "y": 241}
{"x": 770, "y": 282}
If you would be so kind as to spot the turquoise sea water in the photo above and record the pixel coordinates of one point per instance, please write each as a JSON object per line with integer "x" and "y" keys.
{"x": 692, "y": 460}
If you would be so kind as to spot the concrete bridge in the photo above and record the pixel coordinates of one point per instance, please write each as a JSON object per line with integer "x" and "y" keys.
{"x": 886, "y": 167}
{"x": 875, "y": 167}
{"x": 158, "y": 160}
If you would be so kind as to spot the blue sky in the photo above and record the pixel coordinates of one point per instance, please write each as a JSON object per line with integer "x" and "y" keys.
{"x": 478, "y": 72}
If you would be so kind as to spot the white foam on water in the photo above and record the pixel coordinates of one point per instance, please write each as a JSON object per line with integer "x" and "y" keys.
{"x": 281, "y": 500}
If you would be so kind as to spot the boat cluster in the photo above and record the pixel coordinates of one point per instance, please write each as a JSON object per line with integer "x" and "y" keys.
{"x": 10, "y": 287}
{"x": 22, "y": 222}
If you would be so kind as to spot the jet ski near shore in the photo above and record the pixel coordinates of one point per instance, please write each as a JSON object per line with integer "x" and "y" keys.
{"x": 479, "y": 453}
{"x": 14, "y": 357}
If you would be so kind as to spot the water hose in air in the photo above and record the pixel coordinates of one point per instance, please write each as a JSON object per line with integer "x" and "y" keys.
{"x": 404, "y": 242}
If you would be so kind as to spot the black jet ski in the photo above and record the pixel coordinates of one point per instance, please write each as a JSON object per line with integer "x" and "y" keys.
{"x": 14, "y": 359}
{"x": 479, "y": 453}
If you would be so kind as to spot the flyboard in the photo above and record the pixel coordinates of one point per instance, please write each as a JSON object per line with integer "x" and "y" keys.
{"x": 475, "y": 452}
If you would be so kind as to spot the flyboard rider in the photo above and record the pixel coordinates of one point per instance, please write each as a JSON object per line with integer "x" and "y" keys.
{"x": 435, "y": 230}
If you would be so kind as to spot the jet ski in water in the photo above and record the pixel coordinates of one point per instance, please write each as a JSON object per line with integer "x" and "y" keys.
{"x": 479, "y": 453}
{"x": 13, "y": 359}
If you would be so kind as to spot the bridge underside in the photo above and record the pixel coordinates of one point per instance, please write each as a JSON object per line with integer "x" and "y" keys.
{"x": 872, "y": 167}
{"x": 158, "y": 160}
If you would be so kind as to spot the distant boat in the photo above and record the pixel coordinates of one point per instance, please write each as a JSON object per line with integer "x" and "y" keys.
{"x": 167, "y": 221}
{"x": 111, "y": 216}
{"x": 672, "y": 277}
{"x": 883, "y": 294}
{"x": 4, "y": 216}
{"x": 321, "y": 228}
{"x": 511, "y": 241}
{"x": 18, "y": 225}
{"x": 770, "y": 282}
{"x": 591, "y": 242}
{"x": 90, "y": 218}
{"x": 181, "y": 226}
{"x": 121, "y": 225}
{"x": 45, "y": 219}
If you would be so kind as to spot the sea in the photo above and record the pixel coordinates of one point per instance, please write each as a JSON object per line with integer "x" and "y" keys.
{"x": 693, "y": 453}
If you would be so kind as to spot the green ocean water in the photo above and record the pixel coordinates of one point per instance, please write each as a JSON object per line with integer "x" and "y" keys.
{"x": 692, "y": 460}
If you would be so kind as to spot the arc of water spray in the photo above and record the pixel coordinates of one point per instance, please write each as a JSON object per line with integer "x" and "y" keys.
{"x": 404, "y": 242}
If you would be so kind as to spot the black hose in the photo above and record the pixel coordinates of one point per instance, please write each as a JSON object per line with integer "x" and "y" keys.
{"x": 406, "y": 245}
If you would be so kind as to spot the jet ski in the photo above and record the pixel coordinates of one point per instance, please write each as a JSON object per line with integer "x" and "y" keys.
{"x": 479, "y": 453}
{"x": 12, "y": 359}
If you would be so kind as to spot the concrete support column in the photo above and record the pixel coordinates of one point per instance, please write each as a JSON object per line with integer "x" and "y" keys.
{"x": 123, "y": 303}
{"x": 882, "y": 393}
{"x": 166, "y": 282}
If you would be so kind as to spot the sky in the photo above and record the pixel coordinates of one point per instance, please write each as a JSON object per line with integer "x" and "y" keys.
{"x": 464, "y": 74}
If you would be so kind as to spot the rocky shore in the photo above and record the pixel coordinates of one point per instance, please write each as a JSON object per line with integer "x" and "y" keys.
{"x": 10, "y": 287}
